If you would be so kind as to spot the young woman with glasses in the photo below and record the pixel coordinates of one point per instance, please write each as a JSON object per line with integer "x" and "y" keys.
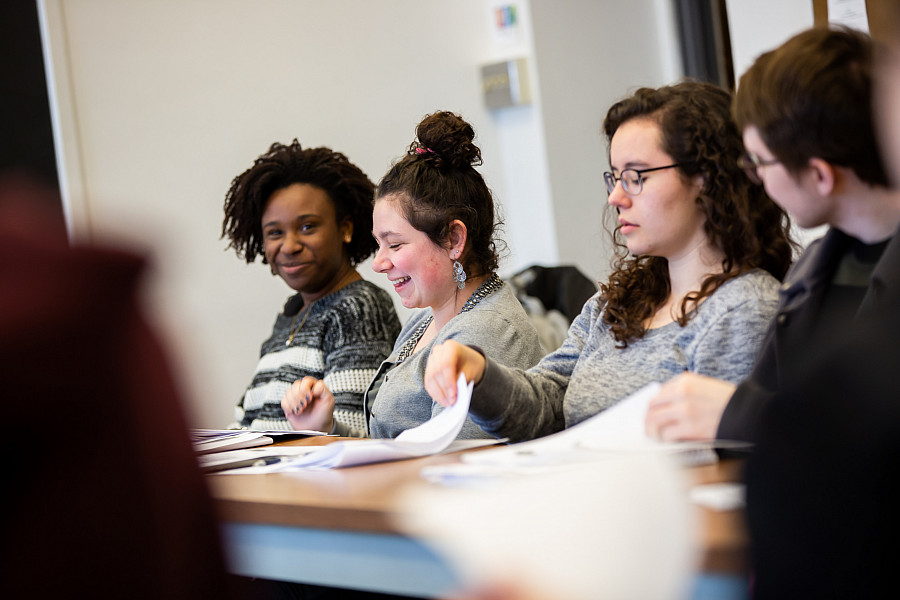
{"x": 699, "y": 254}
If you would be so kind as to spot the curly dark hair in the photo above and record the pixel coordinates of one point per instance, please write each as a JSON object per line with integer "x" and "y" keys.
{"x": 698, "y": 132}
{"x": 436, "y": 182}
{"x": 812, "y": 98}
{"x": 348, "y": 188}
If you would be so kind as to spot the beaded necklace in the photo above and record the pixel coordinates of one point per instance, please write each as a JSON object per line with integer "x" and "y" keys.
{"x": 490, "y": 285}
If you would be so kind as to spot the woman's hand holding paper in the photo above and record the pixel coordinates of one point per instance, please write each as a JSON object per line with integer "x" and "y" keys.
{"x": 446, "y": 362}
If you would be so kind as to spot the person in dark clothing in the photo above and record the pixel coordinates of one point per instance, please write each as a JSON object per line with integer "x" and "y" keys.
{"x": 805, "y": 110}
{"x": 821, "y": 493}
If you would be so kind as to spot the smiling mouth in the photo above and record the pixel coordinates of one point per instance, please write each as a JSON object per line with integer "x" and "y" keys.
{"x": 399, "y": 282}
{"x": 291, "y": 268}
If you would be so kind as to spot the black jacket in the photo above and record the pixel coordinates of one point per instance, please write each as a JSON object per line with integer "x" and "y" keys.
{"x": 787, "y": 343}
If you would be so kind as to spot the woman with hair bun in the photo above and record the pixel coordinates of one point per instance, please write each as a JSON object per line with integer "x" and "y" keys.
{"x": 700, "y": 251}
{"x": 435, "y": 227}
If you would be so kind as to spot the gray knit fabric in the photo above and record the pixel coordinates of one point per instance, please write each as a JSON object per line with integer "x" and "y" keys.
{"x": 498, "y": 325}
{"x": 589, "y": 374}
{"x": 343, "y": 340}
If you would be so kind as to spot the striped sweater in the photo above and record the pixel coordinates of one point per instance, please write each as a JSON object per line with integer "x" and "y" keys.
{"x": 342, "y": 341}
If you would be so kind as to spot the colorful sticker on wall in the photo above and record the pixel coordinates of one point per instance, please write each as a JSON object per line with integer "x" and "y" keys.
{"x": 505, "y": 16}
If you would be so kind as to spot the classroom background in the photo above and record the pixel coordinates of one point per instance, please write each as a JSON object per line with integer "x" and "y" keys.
{"x": 157, "y": 105}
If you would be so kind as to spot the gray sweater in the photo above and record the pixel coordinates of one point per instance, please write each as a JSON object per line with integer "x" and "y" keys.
{"x": 589, "y": 374}
{"x": 498, "y": 325}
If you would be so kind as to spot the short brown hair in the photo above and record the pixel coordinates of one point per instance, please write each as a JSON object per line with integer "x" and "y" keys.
{"x": 812, "y": 98}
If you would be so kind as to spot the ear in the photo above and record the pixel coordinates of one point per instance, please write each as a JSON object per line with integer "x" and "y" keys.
{"x": 699, "y": 182}
{"x": 345, "y": 229}
{"x": 822, "y": 175}
{"x": 457, "y": 239}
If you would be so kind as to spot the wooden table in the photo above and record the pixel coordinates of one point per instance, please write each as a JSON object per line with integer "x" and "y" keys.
{"x": 337, "y": 527}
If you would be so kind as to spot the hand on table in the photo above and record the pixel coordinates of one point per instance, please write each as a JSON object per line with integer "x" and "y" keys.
{"x": 445, "y": 363}
{"x": 688, "y": 407}
{"x": 309, "y": 404}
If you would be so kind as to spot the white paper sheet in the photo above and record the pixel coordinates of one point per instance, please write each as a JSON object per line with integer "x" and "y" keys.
{"x": 618, "y": 428}
{"x": 851, "y": 13}
{"x": 615, "y": 431}
{"x": 221, "y": 440}
{"x": 616, "y": 528}
{"x": 231, "y": 440}
{"x": 220, "y": 461}
{"x": 430, "y": 437}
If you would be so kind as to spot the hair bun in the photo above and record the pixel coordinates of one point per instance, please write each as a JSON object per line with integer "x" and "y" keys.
{"x": 446, "y": 139}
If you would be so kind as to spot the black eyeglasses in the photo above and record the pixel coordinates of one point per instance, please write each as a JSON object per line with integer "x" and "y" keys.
{"x": 750, "y": 163}
{"x": 632, "y": 179}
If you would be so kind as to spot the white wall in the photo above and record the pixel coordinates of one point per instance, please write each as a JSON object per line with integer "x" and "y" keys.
{"x": 529, "y": 229}
{"x": 590, "y": 54}
{"x": 160, "y": 103}
{"x": 169, "y": 100}
{"x": 762, "y": 25}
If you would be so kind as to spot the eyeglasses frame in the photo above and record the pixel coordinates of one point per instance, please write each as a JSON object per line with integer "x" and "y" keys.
{"x": 750, "y": 162}
{"x": 611, "y": 179}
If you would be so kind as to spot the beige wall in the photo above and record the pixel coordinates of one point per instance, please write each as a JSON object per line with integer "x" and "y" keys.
{"x": 160, "y": 103}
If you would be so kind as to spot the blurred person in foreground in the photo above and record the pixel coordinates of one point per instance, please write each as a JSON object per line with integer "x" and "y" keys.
{"x": 103, "y": 496}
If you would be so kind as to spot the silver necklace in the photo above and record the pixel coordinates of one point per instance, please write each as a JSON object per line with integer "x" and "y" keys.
{"x": 490, "y": 285}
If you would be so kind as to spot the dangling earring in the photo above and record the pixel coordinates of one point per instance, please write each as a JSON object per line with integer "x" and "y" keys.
{"x": 459, "y": 276}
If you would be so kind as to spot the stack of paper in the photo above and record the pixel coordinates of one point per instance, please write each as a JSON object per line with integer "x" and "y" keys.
{"x": 431, "y": 437}
{"x": 244, "y": 461}
{"x": 221, "y": 440}
{"x": 210, "y": 440}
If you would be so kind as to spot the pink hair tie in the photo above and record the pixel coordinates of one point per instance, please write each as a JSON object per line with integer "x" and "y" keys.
{"x": 423, "y": 150}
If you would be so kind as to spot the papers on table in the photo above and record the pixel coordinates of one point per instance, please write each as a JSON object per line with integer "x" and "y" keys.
{"x": 586, "y": 513}
{"x": 618, "y": 430}
{"x": 431, "y": 437}
{"x": 220, "y": 440}
{"x": 208, "y": 441}
{"x": 619, "y": 527}
{"x": 251, "y": 460}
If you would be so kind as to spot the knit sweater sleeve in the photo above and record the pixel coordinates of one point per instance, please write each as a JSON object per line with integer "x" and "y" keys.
{"x": 511, "y": 343}
{"x": 359, "y": 335}
{"x": 523, "y": 405}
